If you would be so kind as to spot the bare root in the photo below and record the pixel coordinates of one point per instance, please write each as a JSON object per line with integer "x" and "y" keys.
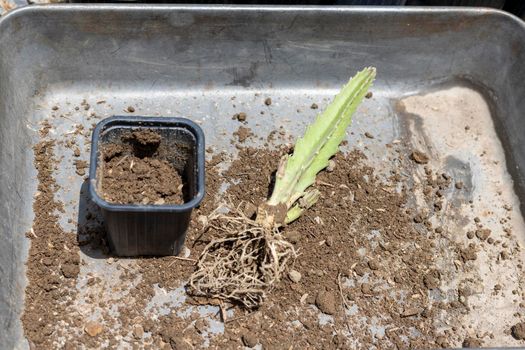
{"x": 243, "y": 263}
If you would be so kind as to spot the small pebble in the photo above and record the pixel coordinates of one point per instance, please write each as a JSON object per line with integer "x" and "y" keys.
{"x": 93, "y": 328}
{"x": 138, "y": 331}
{"x": 366, "y": 288}
{"x": 185, "y": 252}
{"x": 131, "y": 109}
{"x": 241, "y": 116}
{"x": 314, "y": 106}
{"x": 331, "y": 166}
{"x": 268, "y": 101}
{"x": 295, "y": 276}
{"x": 373, "y": 265}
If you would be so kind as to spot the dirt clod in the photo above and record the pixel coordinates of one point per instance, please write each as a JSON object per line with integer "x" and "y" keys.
{"x": 314, "y": 106}
{"x": 111, "y": 150}
{"x": 249, "y": 339}
{"x": 419, "y": 157}
{"x": 81, "y": 166}
{"x": 471, "y": 342}
{"x": 518, "y": 331}
{"x": 93, "y": 328}
{"x": 483, "y": 233}
{"x": 144, "y": 138}
{"x": 469, "y": 253}
{"x": 138, "y": 331}
{"x": 268, "y": 101}
{"x": 177, "y": 342}
{"x": 243, "y": 133}
{"x": 326, "y": 302}
{"x": 70, "y": 270}
{"x": 374, "y": 265}
{"x": 240, "y": 116}
{"x": 292, "y": 236}
{"x": 431, "y": 280}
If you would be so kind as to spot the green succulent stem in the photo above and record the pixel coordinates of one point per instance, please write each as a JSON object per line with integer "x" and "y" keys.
{"x": 297, "y": 172}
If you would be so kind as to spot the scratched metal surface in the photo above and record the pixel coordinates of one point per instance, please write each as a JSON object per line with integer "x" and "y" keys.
{"x": 191, "y": 60}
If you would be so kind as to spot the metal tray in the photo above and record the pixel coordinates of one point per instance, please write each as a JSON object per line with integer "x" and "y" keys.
{"x": 438, "y": 69}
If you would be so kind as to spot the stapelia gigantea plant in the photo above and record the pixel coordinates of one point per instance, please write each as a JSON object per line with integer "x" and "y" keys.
{"x": 249, "y": 256}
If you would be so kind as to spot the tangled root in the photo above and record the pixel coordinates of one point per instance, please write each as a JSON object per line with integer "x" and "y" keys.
{"x": 243, "y": 263}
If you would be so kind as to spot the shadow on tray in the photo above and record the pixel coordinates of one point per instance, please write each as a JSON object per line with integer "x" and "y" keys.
{"x": 91, "y": 235}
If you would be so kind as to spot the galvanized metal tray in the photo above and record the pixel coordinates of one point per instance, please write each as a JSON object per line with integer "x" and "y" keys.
{"x": 438, "y": 69}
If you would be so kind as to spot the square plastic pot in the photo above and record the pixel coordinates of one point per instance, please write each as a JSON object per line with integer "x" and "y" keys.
{"x": 138, "y": 229}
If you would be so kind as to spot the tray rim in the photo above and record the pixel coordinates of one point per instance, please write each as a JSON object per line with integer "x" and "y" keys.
{"x": 345, "y": 10}
{"x": 438, "y": 10}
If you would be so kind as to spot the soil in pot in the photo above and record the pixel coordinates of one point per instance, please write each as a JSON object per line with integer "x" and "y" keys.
{"x": 135, "y": 171}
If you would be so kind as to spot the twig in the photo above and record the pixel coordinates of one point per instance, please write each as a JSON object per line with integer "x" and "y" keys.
{"x": 66, "y": 117}
{"x": 181, "y": 258}
{"x": 120, "y": 161}
{"x": 239, "y": 318}
{"x": 223, "y": 313}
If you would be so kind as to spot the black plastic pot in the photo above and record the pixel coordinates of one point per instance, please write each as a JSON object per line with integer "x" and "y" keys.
{"x": 137, "y": 229}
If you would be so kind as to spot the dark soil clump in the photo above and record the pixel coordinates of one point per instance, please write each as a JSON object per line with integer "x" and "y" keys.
{"x": 518, "y": 331}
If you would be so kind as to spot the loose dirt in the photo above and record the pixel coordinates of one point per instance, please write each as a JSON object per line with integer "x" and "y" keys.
{"x": 374, "y": 269}
{"x": 53, "y": 263}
